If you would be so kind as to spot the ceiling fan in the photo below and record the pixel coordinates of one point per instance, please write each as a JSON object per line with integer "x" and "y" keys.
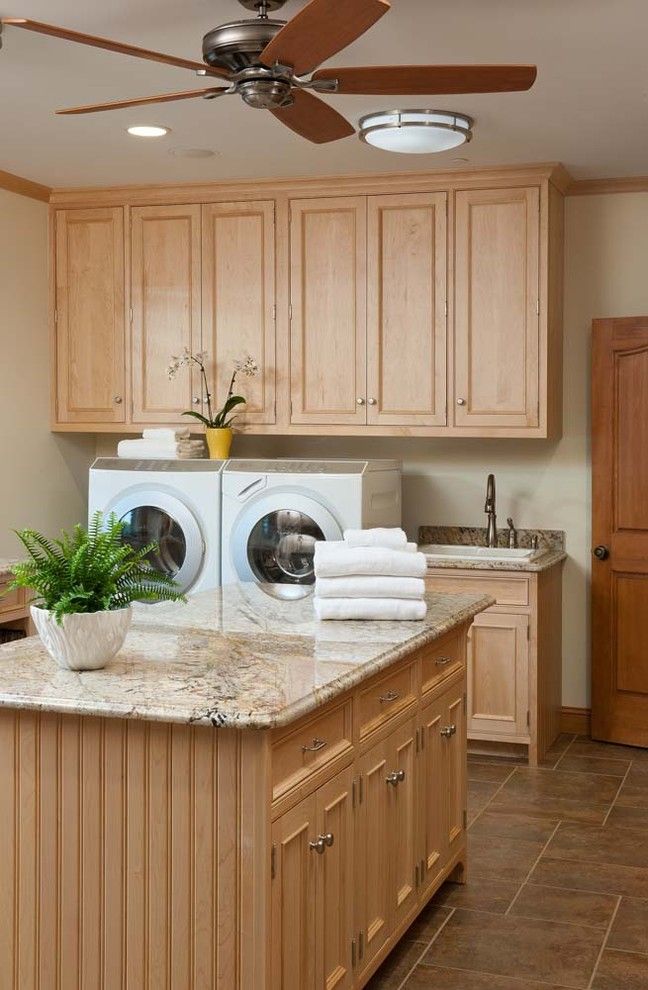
{"x": 267, "y": 62}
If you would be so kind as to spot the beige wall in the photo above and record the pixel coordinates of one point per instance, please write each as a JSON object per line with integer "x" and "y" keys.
{"x": 541, "y": 484}
{"x": 42, "y": 476}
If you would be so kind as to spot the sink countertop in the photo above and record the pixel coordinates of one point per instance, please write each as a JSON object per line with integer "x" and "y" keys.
{"x": 233, "y": 657}
{"x": 551, "y": 548}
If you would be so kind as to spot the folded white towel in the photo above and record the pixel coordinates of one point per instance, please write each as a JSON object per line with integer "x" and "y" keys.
{"x": 370, "y": 587}
{"x": 335, "y": 559}
{"x": 394, "y": 539}
{"x": 166, "y": 434}
{"x": 382, "y": 609}
{"x": 150, "y": 450}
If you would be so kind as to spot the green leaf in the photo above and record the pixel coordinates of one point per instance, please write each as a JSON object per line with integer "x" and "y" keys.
{"x": 203, "y": 419}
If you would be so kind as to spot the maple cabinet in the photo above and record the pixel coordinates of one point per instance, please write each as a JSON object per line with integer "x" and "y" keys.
{"x": 498, "y": 690}
{"x": 89, "y": 316}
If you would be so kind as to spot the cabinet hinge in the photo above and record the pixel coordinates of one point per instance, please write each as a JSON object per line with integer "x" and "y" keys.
{"x": 290, "y": 311}
{"x": 361, "y": 945}
{"x": 360, "y": 789}
{"x": 465, "y": 704}
{"x": 353, "y": 953}
{"x": 417, "y": 740}
{"x": 528, "y": 631}
{"x": 273, "y": 862}
{"x": 537, "y": 307}
{"x": 416, "y": 875}
{"x": 56, "y": 315}
{"x": 353, "y": 793}
{"x": 528, "y": 719}
{"x": 130, "y": 314}
{"x": 274, "y": 313}
{"x": 445, "y": 307}
{"x": 465, "y": 818}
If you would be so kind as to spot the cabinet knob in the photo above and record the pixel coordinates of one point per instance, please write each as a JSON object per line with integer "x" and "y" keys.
{"x": 372, "y": 402}
{"x": 118, "y": 400}
{"x": 448, "y": 730}
{"x": 360, "y": 401}
{"x": 395, "y": 778}
{"x": 197, "y": 400}
{"x": 461, "y": 402}
{"x": 322, "y": 843}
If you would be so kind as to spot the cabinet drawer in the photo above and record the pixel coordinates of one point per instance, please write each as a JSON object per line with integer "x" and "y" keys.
{"x": 383, "y": 699}
{"x": 439, "y": 660}
{"x": 310, "y": 746}
{"x": 12, "y": 601}
{"x": 506, "y": 590}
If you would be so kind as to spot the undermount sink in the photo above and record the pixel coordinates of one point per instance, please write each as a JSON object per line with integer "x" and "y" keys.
{"x": 451, "y": 551}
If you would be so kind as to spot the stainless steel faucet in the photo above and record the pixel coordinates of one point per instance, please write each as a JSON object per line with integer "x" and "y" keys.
{"x": 489, "y": 508}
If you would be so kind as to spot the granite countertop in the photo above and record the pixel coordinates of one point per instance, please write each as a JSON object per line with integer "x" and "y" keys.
{"x": 233, "y": 657}
{"x": 5, "y": 567}
{"x": 551, "y": 548}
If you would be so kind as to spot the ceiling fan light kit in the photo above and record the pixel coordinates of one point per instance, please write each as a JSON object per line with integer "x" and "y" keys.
{"x": 148, "y": 130}
{"x": 268, "y": 62}
{"x": 415, "y": 132}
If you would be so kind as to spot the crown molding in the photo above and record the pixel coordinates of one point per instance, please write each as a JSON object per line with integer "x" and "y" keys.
{"x": 24, "y": 187}
{"x": 597, "y": 187}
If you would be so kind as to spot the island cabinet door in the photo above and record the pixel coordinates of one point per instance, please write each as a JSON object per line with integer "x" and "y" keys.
{"x": 433, "y": 793}
{"x": 402, "y": 792}
{"x": 334, "y": 884}
{"x": 294, "y": 926}
{"x": 453, "y": 737}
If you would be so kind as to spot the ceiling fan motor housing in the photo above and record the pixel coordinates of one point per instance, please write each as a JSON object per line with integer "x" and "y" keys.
{"x": 238, "y": 45}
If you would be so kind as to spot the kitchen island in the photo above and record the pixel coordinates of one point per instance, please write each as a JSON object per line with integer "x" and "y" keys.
{"x": 244, "y": 798}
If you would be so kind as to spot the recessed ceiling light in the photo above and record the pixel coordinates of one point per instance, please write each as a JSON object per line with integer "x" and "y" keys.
{"x": 415, "y": 132}
{"x": 148, "y": 130}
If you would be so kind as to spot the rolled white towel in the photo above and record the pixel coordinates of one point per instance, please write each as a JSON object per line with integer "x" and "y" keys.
{"x": 335, "y": 559}
{"x": 394, "y": 539}
{"x": 165, "y": 434}
{"x": 370, "y": 587}
{"x": 372, "y": 609}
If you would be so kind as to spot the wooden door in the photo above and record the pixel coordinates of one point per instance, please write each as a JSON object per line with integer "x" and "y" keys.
{"x": 90, "y": 316}
{"x": 328, "y": 249}
{"x": 620, "y": 531}
{"x": 496, "y": 308}
{"x": 406, "y": 310}
{"x": 165, "y": 303}
{"x": 453, "y": 734}
{"x": 403, "y": 812}
{"x": 374, "y": 844}
{"x": 335, "y": 884}
{"x": 294, "y": 928}
{"x": 432, "y": 788}
{"x": 498, "y": 676}
{"x": 238, "y": 301}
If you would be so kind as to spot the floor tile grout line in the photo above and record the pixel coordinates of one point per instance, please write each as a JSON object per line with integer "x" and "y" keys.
{"x": 564, "y": 752}
{"x": 401, "y": 985}
{"x": 614, "y": 799}
{"x": 492, "y": 798}
{"x": 521, "y": 980}
{"x": 535, "y": 863}
{"x": 549, "y": 921}
{"x": 604, "y": 943}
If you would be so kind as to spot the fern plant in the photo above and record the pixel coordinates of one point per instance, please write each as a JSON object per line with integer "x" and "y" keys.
{"x": 89, "y": 570}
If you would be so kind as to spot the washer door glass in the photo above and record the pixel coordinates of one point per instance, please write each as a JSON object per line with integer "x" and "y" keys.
{"x": 281, "y": 547}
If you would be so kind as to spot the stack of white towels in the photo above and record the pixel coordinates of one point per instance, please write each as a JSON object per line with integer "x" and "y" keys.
{"x": 372, "y": 574}
{"x": 163, "y": 445}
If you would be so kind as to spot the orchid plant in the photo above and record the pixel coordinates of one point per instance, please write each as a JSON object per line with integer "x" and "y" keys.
{"x": 221, "y": 419}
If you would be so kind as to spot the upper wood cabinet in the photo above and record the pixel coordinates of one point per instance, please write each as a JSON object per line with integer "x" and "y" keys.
{"x": 497, "y": 308}
{"x": 328, "y": 255}
{"x": 238, "y": 300}
{"x": 165, "y": 309}
{"x": 406, "y": 310}
{"x": 89, "y": 315}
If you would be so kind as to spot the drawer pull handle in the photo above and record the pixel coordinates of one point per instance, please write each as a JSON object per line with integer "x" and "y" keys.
{"x": 315, "y": 746}
{"x": 322, "y": 843}
{"x": 448, "y": 730}
{"x": 386, "y": 699}
{"x": 395, "y": 778}
{"x": 442, "y": 661}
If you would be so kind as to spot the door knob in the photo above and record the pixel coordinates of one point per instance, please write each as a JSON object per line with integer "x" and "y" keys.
{"x": 448, "y": 730}
{"x": 395, "y": 778}
{"x": 601, "y": 552}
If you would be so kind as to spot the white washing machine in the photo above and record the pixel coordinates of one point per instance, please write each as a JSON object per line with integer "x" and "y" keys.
{"x": 177, "y": 504}
{"x": 275, "y": 511}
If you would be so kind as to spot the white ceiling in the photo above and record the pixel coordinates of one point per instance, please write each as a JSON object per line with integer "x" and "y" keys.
{"x": 588, "y": 108}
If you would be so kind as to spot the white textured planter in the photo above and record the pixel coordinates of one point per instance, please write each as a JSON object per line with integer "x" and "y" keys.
{"x": 84, "y": 640}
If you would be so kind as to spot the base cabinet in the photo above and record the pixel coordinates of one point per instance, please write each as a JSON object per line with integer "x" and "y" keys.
{"x": 354, "y": 861}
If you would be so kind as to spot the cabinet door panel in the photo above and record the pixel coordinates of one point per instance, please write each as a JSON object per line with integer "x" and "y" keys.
{"x": 498, "y": 675}
{"x": 433, "y": 803}
{"x": 165, "y": 299}
{"x": 403, "y": 831}
{"x": 90, "y": 316}
{"x": 294, "y": 899}
{"x": 335, "y": 884}
{"x": 406, "y": 301}
{"x": 455, "y": 783}
{"x": 496, "y": 323}
{"x": 374, "y": 843}
{"x": 238, "y": 264}
{"x": 328, "y": 299}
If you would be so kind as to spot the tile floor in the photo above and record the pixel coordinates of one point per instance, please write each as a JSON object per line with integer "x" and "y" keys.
{"x": 557, "y": 895}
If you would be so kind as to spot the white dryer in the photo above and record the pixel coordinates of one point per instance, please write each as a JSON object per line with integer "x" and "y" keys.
{"x": 175, "y": 503}
{"x": 274, "y": 512}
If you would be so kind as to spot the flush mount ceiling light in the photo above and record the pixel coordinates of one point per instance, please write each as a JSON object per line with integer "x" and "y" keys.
{"x": 148, "y": 130}
{"x": 415, "y": 132}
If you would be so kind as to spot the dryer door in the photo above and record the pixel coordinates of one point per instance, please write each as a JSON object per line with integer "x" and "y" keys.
{"x": 151, "y": 516}
{"x": 273, "y": 542}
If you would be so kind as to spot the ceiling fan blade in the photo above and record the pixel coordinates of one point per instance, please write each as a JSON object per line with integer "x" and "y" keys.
{"x": 313, "y": 119}
{"x": 320, "y": 30}
{"x": 428, "y": 80}
{"x": 110, "y": 46}
{"x": 190, "y": 94}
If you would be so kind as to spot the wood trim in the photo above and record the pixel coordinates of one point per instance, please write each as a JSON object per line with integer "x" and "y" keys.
{"x": 576, "y": 720}
{"x": 364, "y": 184}
{"x": 598, "y": 187}
{"x": 24, "y": 187}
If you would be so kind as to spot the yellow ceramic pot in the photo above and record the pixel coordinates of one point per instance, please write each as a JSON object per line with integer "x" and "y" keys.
{"x": 219, "y": 442}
